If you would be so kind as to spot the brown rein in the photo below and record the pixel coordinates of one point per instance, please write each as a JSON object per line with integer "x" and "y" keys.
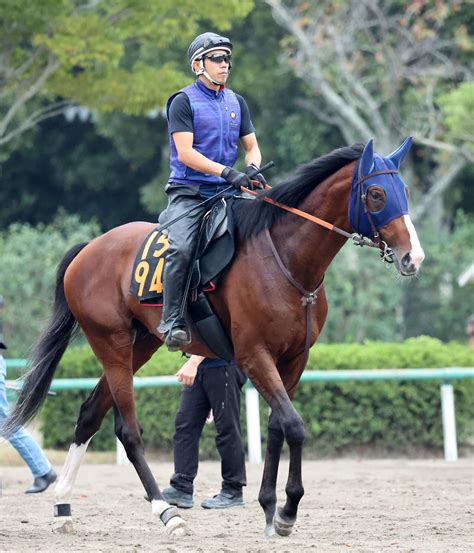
{"x": 356, "y": 238}
{"x": 298, "y": 212}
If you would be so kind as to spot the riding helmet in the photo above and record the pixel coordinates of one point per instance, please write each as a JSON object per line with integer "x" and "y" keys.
{"x": 206, "y": 42}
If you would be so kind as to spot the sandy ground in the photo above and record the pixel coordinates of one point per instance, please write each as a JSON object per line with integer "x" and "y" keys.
{"x": 349, "y": 505}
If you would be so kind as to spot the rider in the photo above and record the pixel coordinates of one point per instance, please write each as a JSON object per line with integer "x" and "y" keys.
{"x": 205, "y": 123}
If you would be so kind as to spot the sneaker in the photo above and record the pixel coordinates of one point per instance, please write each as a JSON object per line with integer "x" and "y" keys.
{"x": 178, "y": 498}
{"x": 223, "y": 500}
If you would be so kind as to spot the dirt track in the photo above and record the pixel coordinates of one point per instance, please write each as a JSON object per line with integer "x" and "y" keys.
{"x": 366, "y": 506}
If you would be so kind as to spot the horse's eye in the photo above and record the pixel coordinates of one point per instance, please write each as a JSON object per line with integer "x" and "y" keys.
{"x": 376, "y": 199}
{"x": 376, "y": 195}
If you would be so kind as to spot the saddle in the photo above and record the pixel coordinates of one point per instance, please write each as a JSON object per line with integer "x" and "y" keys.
{"x": 214, "y": 252}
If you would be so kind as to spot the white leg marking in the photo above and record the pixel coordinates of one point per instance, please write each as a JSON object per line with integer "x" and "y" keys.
{"x": 158, "y": 506}
{"x": 417, "y": 254}
{"x": 63, "y": 489}
{"x": 176, "y": 525}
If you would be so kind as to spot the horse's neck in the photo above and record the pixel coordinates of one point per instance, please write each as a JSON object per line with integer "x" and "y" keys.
{"x": 306, "y": 248}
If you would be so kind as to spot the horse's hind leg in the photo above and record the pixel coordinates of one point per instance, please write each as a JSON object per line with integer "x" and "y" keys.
{"x": 91, "y": 415}
{"x": 116, "y": 353}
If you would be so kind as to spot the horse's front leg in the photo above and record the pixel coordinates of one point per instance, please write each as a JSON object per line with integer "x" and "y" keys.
{"x": 267, "y": 495}
{"x": 284, "y": 423}
{"x": 293, "y": 429}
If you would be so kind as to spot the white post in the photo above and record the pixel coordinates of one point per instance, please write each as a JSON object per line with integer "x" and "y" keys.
{"x": 122, "y": 458}
{"x": 449, "y": 423}
{"x": 253, "y": 425}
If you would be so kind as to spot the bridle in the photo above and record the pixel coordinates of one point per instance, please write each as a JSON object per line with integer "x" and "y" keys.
{"x": 386, "y": 253}
{"x": 309, "y": 298}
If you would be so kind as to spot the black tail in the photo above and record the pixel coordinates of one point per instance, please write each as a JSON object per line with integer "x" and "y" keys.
{"x": 47, "y": 353}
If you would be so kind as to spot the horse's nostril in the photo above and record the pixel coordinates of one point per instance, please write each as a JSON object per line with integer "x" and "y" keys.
{"x": 406, "y": 260}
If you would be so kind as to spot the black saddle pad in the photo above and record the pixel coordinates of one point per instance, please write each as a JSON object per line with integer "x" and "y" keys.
{"x": 214, "y": 256}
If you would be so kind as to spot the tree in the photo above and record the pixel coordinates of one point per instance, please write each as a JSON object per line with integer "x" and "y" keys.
{"x": 368, "y": 301}
{"x": 30, "y": 256}
{"x": 382, "y": 68}
{"x": 114, "y": 55}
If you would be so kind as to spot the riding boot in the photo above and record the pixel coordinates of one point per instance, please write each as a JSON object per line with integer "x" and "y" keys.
{"x": 173, "y": 324}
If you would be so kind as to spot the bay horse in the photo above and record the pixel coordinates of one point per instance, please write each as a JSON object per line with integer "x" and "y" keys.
{"x": 278, "y": 257}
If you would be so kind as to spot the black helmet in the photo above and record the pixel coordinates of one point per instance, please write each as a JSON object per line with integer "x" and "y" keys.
{"x": 205, "y": 43}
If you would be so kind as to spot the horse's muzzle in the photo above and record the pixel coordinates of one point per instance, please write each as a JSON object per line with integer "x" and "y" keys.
{"x": 410, "y": 264}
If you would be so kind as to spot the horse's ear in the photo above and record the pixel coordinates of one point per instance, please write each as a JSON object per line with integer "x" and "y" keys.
{"x": 367, "y": 158}
{"x": 400, "y": 153}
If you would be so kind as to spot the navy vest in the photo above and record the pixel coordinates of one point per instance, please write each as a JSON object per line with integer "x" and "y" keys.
{"x": 216, "y": 125}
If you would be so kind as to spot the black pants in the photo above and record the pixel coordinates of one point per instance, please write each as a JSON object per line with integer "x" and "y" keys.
{"x": 216, "y": 388}
{"x": 182, "y": 237}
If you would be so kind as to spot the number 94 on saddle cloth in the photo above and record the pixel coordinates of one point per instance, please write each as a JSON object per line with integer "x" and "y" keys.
{"x": 214, "y": 252}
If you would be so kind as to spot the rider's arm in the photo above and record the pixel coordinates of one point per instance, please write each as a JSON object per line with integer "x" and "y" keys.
{"x": 252, "y": 151}
{"x": 192, "y": 158}
{"x": 247, "y": 135}
{"x": 187, "y": 373}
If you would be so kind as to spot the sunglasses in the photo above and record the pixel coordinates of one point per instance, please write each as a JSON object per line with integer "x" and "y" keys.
{"x": 220, "y": 58}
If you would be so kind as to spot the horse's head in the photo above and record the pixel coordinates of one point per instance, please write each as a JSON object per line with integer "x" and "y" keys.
{"x": 379, "y": 207}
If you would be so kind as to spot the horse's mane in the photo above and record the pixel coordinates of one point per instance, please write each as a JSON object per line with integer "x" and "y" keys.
{"x": 251, "y": 217}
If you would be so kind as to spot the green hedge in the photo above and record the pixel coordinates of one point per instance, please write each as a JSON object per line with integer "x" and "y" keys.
{"x": 339, "y": 417}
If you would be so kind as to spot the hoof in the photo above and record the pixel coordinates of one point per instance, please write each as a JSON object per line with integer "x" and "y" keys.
{"x": 63, "y": 525}
{"x": 176, "y": 526}
{"x": 283, "y": 527}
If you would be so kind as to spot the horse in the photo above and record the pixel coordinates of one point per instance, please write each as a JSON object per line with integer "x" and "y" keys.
{"x": 271, "y": 302}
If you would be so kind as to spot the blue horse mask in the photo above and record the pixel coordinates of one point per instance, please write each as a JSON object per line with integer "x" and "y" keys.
{"x": 373, "y": 169}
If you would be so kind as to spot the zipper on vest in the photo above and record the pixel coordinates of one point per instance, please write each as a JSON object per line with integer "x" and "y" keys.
{"x": 222, "y": 129}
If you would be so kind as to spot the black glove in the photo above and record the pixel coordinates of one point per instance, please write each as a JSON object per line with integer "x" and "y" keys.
{"x": 259, "y": 177}
{"x": 235, "y": 178}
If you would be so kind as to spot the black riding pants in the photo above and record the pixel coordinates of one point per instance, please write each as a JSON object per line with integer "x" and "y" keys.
{"x": 216, "y": 388}
{"x": 182, "y": 237}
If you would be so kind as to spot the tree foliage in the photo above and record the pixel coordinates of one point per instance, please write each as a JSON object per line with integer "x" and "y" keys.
{"x": 93, "y": 169}
{"x": 377, "y": 69}
{"x": 458, "y": 108}
{"x": 114, "y": 55}
{"x": 369, "y": 301}
{"x": 30, "y": 256}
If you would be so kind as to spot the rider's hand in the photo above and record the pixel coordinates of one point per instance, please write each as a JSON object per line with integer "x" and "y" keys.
{"x": 250, "y": 170}
{"x": 236, "y": 178}
{"x": 187, "y": 373}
